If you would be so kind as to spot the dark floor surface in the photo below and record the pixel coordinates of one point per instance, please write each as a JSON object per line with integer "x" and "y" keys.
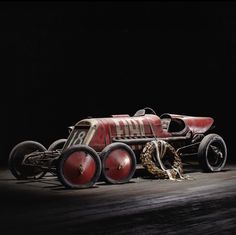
{"x": 206, "y": 204}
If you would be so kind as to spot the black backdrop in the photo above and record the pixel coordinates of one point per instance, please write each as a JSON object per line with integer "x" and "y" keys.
{"x": 57, "y": 67}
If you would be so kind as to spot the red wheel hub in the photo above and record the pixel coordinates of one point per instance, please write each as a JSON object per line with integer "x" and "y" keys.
{"x": 118, "y": 164}
{"x": 79, "y": 168}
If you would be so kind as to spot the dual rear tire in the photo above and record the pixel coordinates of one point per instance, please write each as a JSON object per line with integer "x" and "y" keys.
{"x": 81, "y": 167}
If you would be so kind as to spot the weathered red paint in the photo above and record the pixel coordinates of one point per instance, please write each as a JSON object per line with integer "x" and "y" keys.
{"x": 196, "y": 125}
{"x": 146, "y": 126}
{"x": 187, "y": 135}
{"x": 79, "y": 168}
{"x": 199, "y": 124}
{"x": 118, "y": 164}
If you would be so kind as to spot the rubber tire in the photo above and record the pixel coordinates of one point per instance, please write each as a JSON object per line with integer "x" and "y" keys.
{"x": 55, "y": 144}
{"x": 104, "y": 154}
{"x": 202, "y": 152}
{"x": 16, "y": 153}
{"x": 66, "y": 154}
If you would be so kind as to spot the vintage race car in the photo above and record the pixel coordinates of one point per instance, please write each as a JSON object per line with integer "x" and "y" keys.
{"x": 109, "y": 148}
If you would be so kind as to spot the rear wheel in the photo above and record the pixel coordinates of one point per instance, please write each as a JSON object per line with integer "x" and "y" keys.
{"x": 212, "y": 153}
{"x": 17, "y": 156}
{"x": 79, "y": 167}
{"x": 118, "y": 163}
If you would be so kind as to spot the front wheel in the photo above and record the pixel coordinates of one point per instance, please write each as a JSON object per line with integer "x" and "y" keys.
{"x": 118, "y": 163}
{"x": 79, "y": 167}
{"x": 212, "y": 153}
{"x": 17, "y": 157}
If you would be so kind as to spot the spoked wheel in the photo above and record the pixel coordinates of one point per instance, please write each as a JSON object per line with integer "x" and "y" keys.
{"x": 79, "y": 167}
{"x": 212, "y": 153}
{"x": 57, "y": 145}
{"x": 18, "y": 155}
{"x": 118, "y": 163}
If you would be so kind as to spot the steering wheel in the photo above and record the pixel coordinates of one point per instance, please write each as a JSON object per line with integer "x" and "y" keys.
{"x": 141, "y": 112}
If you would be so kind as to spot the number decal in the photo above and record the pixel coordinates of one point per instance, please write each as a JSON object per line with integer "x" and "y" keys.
{"x": 80, "y": 137}
{"x": 77, "y": 138}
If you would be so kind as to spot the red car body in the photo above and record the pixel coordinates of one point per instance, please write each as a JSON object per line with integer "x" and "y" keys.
{"x": 100, "y": 132}
{"x": 112, "y": 146}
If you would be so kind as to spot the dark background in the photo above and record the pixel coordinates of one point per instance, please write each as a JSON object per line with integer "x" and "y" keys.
{"x": 58, "y": 68}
